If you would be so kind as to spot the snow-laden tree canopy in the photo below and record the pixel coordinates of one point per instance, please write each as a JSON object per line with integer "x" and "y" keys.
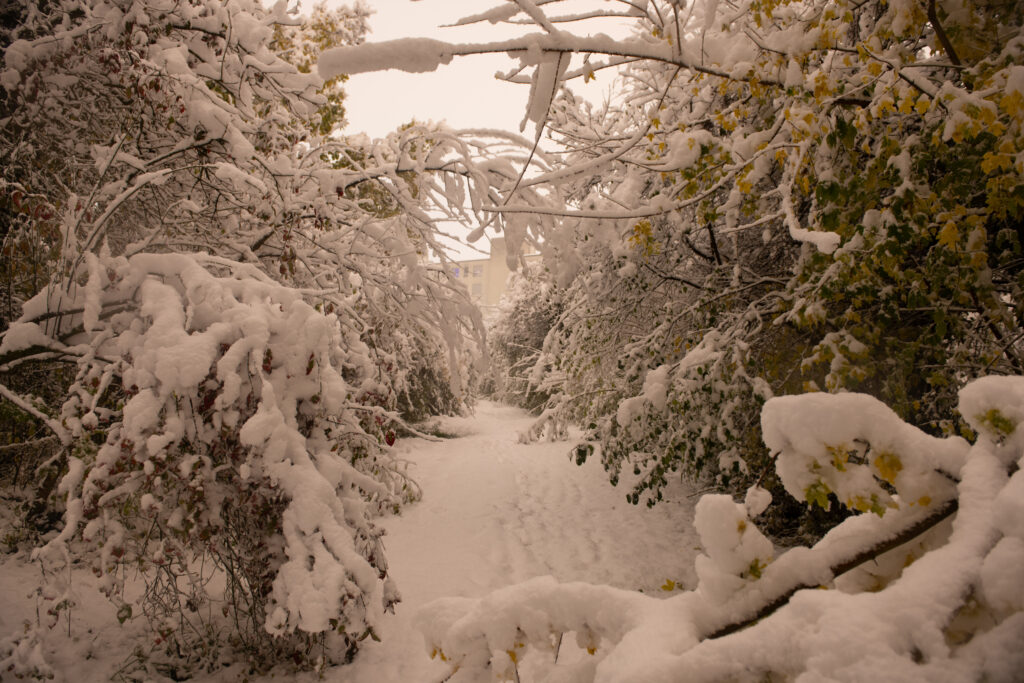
{"x": 246, "y": 301}
{"x": 780, "y": 197}
{"x": 801, "y": 198}
{"x": 783, "y": 198}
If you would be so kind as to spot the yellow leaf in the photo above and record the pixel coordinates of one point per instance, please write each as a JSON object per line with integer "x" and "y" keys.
{"x": 859, "y": 503}
{"x": 997, "y": 423}
{"x": 840, "y": 456}
{"x": 949, "y": 236}
{"x": 669, "y": 585}
{"x": 992, "y": 162}
{"x": 1012, "y": 103}
{"x": 888, "y": 466}
{"x": 756, "y": 568}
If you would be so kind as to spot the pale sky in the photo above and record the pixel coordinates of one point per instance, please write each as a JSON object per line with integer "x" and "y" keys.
{"x": 464, "y": 93}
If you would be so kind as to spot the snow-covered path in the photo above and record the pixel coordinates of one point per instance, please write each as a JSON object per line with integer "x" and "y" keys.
{"x": 496, "y": 512}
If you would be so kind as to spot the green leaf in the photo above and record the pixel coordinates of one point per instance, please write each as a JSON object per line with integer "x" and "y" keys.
{"x": 997, "y": 422}
{"x": 817, "y": 494}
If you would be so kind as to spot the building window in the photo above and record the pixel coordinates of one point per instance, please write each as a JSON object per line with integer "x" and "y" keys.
{"x": 478, "y": 289}
{"x": 455, "y": 271}
{"x": 478, "y": 270}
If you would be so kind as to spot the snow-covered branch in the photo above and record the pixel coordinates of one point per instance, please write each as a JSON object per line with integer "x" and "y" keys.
{"x": 740, "y": 620}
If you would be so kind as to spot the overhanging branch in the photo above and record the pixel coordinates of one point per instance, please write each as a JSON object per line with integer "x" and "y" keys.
{"x": 912, "y": 531}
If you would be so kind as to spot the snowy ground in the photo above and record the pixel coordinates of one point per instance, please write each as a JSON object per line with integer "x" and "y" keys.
{"x": 494, "y": 512}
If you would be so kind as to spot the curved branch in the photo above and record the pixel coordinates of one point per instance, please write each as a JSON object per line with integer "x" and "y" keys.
{"x": 55, "y": 426}
{"x": 912, "y": 531}
{"x": 378, "y": 56}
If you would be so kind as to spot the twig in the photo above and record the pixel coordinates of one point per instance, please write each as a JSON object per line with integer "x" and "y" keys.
{"x": 54, "y": 425}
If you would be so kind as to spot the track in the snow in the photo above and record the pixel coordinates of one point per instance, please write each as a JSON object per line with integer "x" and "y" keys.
{"x": 496, "y": 512}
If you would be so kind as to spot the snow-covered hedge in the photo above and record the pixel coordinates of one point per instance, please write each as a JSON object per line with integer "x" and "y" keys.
{"x": 926, "y": 585}
{"x": 218, "y": 415}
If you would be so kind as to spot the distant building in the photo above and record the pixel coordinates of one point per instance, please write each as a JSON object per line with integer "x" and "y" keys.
{"x": 487, "y": 278}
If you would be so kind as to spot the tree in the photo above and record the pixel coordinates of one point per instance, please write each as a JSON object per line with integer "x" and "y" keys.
{"x": 242, "y": 304}
{"x": 515, "y": 342}
{"x": 786, "y": 197}
{"x": 217, "y": 415}
{"x": 801, "y": 198}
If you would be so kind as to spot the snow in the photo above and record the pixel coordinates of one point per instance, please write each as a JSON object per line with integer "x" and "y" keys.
{"x": 494, "y": 512}
{"x": 240, "y": 179}
{"x": 1008, "y": 507}
{"x": 843, "y": 442}
{"x": 497, "y": 512}
{"x": 418, "y": 55}
{"x": 733, "y": 545}
{"x": 414, "y": 55}
{"x": 913, "y": 625}
{"x": 994, "y": 405}
{"x": 544, "y": 85}
{"x": 1015, "y": 80}
{"x": 24, "y": 335}
{"x": 757, "y": 500}
{"x": 685, "y": 149}
{"x": 1000, "y": 575}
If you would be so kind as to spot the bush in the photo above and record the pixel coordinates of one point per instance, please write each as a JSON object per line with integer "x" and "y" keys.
{"x": 211, "y": 431}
